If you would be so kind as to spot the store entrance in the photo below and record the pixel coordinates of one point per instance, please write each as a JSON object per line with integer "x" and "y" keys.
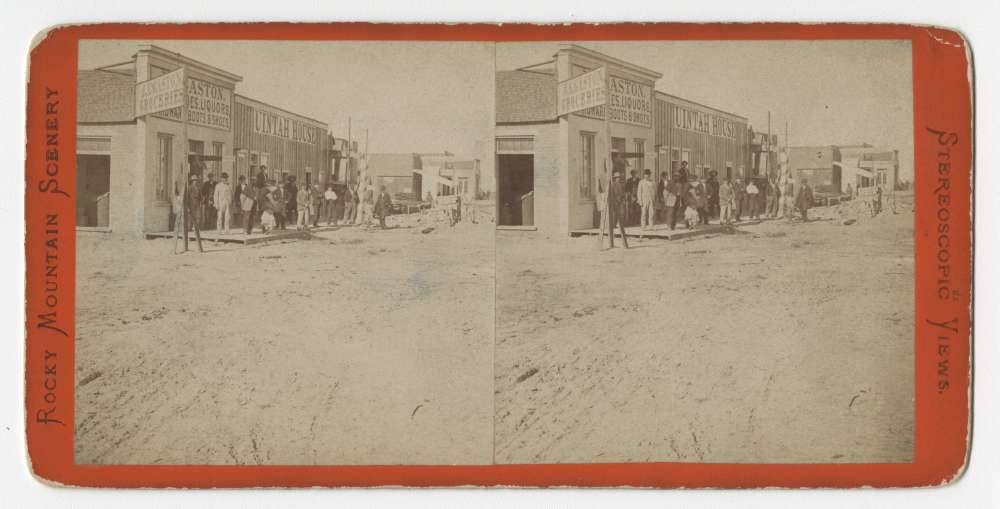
{"x": 93, "y": 186}
{"x": 515, "y": 189}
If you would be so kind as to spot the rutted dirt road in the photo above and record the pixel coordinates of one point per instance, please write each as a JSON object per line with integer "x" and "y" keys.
{"x": 788, "y": 342}
{"x": 355, "y": 347}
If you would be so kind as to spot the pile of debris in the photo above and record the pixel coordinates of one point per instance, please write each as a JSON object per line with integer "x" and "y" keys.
{"x": 859, "y": 209}
{"x": 430, "y": 220}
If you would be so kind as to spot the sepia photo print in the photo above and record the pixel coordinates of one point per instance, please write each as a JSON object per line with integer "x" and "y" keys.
{"x": 476, "y": 253}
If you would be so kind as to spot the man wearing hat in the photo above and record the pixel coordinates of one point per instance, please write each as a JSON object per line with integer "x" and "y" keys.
{"x": 192, "y": 202}
{"x": 222, "y": 197}
{"x": 208, "y": 199}
{"x": 804, "y": 200}
{"x": 616, "y": 209}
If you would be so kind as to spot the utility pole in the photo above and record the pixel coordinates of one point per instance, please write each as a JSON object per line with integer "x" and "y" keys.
{"x": 350, "y": 160}
{"x": 767, "y": 162}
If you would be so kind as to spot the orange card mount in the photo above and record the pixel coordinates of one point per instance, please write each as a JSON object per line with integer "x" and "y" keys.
{"x": 942, "y": 193}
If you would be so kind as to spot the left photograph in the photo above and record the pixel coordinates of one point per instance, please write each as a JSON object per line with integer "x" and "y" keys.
{"x": 285, "y": 253}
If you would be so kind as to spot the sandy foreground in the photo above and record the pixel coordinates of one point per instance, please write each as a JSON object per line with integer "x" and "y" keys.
{"x": 353, "y": 348}
{"x": 783, "y": 342}
{"x": 787, "y": 342}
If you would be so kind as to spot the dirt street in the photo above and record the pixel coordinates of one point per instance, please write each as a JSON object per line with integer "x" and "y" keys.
{"x": 355, "y": 347}
{"x": 787, "y": 342}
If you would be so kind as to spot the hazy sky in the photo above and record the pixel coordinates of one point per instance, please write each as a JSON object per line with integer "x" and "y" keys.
{"x": 435, "y": 96}
{"x": 412, "y": 96}
{"x": 830, "y": 92}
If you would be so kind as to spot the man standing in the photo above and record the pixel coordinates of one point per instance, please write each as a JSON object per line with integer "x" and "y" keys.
{"x": 248, "y": 204}
{"x": 238, "y": 191}
{"x": 223, "y": 199}
{"x": 726, "y": 202}
{"x": 739, "y": 198}
{"x": 804, "y": 200}
{"x": 660, "y": 202}
{"x": 682, "y": 173}
{"x": 680, "y": 190}
{"x": 752, "y": 199}
{"x": 261, "y": 177}
{"x": 208, "y": 197}
{"x": 646, "y": 197}
{"x": 383, "y": 206}
{"x": 329, "y": 197}
{"x": 291, "y": 198}
{"x": 193, "y": 204}
{"x": 631, "y": 188}
{"x": 712, "y": 188}
{"x": 616, "y": 209}
{"x": 279, "y": 204}
{"x": 316, "y": 204}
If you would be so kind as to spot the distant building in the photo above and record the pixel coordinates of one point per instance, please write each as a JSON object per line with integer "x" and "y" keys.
{"x": 832, "y": 168}
{"x": 819, "y": 165}
{"x": 399, "y": 173}
{"x": 444, "y": 175}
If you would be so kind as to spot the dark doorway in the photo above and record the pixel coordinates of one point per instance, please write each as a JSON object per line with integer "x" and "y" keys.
{"x": 93, "y": 186}
{"x": 515, "y": 189}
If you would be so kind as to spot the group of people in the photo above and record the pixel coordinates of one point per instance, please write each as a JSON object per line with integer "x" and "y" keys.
{"x": 692, "y": 200}
{"x": 265, "y": 203}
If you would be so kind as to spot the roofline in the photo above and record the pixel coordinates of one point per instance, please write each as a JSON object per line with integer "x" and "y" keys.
{"x": 106, "y": 122}
{"x": 188, "y": 61}
{"x": 325, "y": 125}
{"x": 573, "y": 48}
{"x": 554, "y": 120}
{"x": 703, "y": 105}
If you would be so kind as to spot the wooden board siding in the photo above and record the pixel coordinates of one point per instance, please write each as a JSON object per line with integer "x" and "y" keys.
{"x": 283, "y": 154}
{"x": 704, "y": 149}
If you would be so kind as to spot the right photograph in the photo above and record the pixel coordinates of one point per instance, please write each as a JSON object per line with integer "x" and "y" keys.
{"x": 704, "y": 252}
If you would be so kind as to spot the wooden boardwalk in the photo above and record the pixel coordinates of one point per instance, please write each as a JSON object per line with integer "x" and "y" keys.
{"x": 662, "y": 231}
{"x": 240, "y": 237}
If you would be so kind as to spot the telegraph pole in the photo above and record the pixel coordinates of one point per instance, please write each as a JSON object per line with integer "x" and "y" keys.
{"x": 767, "y": 162}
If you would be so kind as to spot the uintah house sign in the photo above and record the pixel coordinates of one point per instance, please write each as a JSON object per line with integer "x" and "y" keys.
{"x": 265, "y": 122}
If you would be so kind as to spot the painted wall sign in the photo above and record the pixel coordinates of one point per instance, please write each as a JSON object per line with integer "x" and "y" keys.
{"x": 209, "y": 105}
{"x": 160, "y": 94}
{"x": 582, "y": 92}
{"x": 273, "y": 124}
{"x": 704, "y": 122}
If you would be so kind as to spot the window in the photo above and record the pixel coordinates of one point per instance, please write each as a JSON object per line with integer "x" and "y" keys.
{"x": 639, "y": 162}
{"x": 618, "y": 145}
{"x": 164, "y": 161}
{"x": 217, "y": 152}
{"x": 463, "y": 185}
{"x": 587, "y": 164}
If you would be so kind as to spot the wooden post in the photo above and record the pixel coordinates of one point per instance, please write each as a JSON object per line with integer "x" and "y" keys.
{"x": 187, "y": 177}
{"x": 184, "y": 214}
{"x": 610, "y": 166}
{"x": 178, "y": 220}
